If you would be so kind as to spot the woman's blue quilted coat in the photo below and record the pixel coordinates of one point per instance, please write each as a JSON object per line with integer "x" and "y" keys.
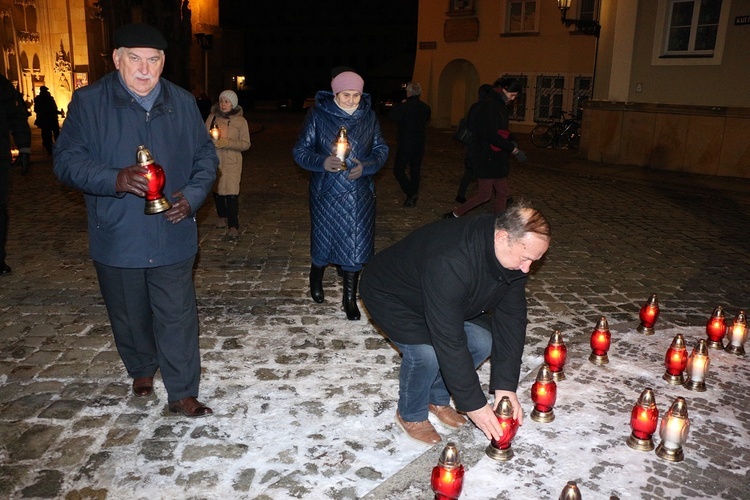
{"x": 342, "y": 211}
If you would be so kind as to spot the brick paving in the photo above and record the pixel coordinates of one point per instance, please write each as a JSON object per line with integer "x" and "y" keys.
{"x": 68, "y": 425}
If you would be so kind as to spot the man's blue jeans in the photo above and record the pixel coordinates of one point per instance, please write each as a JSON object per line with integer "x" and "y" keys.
{"x": 420, "y": 380}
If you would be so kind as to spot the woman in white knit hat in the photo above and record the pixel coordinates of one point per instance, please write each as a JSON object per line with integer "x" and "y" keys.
{"x": 233, "y": 139}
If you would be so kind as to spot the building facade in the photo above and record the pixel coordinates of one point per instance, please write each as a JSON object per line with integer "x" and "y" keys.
{"x": 658, "y": 83}
{"x": 66, "y": 44}
{"x": 671, "y": 91}
{"x": 465, "y": 43}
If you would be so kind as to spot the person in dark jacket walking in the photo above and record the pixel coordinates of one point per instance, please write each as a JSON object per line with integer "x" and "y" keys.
{"x": 483, "y": 92}
{"x": 13, "y": 120}
{"x": 342, "y": 188}
{"x": 412, "y": 116}
{"x": 491, "y": 147}
{"x": 449, "y": 295}
{"x": 144, "y": 263}
{"x": 46, "y": 111}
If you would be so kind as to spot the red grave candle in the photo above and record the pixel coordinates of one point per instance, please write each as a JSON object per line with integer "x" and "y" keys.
{"x": 544, "y": 395}
{"x": 648, "y": 315}
{"x": 601, "y": 339}
{"x": 555, "y": 355}
{"x": 500, "y": 449}
{"x": 447, "y": 478}
{"x": 643, "y": 422}
{"x": 675, "y": 360}
{"x": 716, "y": 328}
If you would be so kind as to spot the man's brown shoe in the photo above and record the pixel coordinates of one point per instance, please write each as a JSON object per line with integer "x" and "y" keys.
{"x": 447, "y": 415}
{"x": 190, "y": 407}
{"x": 422, "y": 431}
{"x": 143, "y": 386}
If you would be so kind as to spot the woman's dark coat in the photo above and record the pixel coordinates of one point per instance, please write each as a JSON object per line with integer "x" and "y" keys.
{"x": 342, "y": 211}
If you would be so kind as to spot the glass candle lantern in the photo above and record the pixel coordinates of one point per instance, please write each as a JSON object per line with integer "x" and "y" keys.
{"x": 643, "y": 421}
{"x": 697, "y": 367}
{"x": 674, "y": 431}
{"x": 447, "y": 478}
{"x": 156, "y": 202}
{"x": 675, "y": 361}
{"x": 716, "y": 328}
{"x": 555, "y": 355}
{"x": 737, "y": 335}
{"x": 341, "y": 146}
{"x": 648, "y": 315}
{"x": 544, "y": 395}
{"x": 601, "y": 339}
{"x": 501, "y": 450}
{"x": 215, "y": 131}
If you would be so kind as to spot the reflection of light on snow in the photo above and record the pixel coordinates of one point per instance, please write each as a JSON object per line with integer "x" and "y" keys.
{"x": 586, "y": 441}
{"x": 311, "y": 410}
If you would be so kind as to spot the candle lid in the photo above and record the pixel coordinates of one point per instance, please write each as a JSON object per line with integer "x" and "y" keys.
{"x": 449, "y": 458}
{"x": 143, "y": 156}
{"x": 556, "y": 338}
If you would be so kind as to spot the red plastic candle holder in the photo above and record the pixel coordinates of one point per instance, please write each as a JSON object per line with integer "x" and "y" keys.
{"x": 676, "y": 361}
{"x": 156, "y": 202}
{"x": 643, "y": 421}
{"x": 716, "y": 328}
{"x": 544, "y": 395}
{"x": 447, "y": 478}
{"x": 555, "y": 355}
{"x": 501, "y": 450}
{"x": 601, "y": 339}
{"x": 697, "y": 367}
{"x": 737, "y": 335}
{"x": 648, "y": 315}
{"x": 674, "y": 432}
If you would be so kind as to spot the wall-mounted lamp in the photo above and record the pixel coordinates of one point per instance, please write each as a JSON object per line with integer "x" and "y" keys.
{"x": 585, "y": 26}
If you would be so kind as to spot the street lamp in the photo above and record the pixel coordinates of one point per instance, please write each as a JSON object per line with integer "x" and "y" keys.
{"x": 585, "y": 26}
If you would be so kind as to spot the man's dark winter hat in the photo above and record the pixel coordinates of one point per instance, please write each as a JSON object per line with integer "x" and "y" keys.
{"x": 139, "y": 35}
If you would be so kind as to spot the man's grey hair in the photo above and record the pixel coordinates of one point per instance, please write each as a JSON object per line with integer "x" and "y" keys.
{"x": 521, "y": 218}
{"x": 413, "y": 88}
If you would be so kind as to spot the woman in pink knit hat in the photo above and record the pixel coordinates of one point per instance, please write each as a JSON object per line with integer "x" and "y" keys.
{"x": 342, "y": 189}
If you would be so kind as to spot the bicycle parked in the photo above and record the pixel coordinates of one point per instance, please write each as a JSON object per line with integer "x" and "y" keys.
{"x": 562, "y": 134}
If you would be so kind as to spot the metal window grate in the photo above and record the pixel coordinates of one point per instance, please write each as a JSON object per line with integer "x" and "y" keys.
{"x": 581, "y": 93}
{"x": 548, "y": 105}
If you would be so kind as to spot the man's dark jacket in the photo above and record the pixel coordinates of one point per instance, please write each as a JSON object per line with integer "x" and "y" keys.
{"x": 412, "y": 117}
{"x": 13, "y": 119}
{"x": 100, "y": 136}
{"x": 491, "y": 117}
{"x": 421, "y": 290}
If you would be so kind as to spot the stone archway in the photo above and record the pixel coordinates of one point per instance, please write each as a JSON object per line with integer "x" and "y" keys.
{"x": 457, "y": 91}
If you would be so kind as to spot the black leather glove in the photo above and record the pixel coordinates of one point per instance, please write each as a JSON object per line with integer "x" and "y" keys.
{"x": 24, "y": 160}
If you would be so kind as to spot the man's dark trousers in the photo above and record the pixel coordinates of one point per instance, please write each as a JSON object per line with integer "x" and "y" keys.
{"x": 154, "y": 319}
{"x": 413, "y": 157}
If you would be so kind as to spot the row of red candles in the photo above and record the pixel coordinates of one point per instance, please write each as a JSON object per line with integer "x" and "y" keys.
{"x": 447, "y": 476}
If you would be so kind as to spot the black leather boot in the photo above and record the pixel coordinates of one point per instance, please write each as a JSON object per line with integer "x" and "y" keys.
{"x": 351, "y": 278}
{"x": 316, "y": 283}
